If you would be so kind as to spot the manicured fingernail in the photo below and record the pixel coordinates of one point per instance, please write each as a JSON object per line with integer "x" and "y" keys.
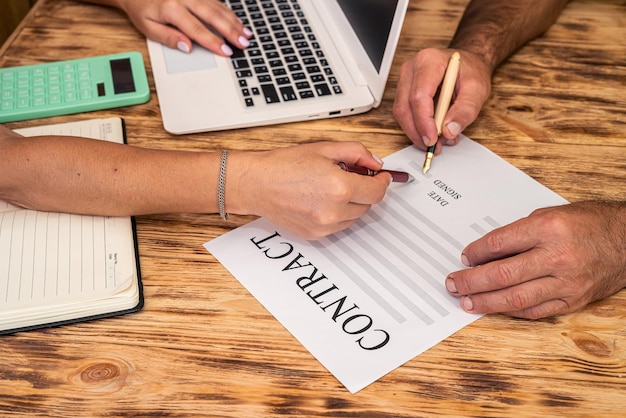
{"x": 226, "y": 50}
{"x": 182, "y": 46}
{"x": 454, "y": 128}
{"x": 465, "y": 260}
{"x": 466, "y": 303}
{"x": 377, "y": 158}
{"x": 243, "y": 41}
{"x": 247, "y": 32}
{"x": 450, "y": 285}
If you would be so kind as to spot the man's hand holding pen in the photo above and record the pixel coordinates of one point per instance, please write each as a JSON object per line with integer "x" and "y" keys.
{"x": 419, "y": 84}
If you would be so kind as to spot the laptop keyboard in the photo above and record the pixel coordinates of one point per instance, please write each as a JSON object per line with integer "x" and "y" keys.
{"x": 284, "y": 61}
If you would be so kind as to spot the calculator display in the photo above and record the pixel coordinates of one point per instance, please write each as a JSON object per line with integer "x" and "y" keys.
{"x": 122, "y": 76}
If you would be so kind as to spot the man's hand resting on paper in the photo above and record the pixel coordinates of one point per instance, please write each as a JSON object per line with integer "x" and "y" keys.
{"x": 555, "y": 261}
{"x": 302, "y": 188}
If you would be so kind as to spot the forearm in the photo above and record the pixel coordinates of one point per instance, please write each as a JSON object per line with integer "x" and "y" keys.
{"x": 79, "y": 175}
{"x": 494, "y": 30}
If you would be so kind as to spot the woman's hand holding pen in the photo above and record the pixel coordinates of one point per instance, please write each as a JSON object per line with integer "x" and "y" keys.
{"x": 416, "y": 96}
{"x": 178, "y": 23}
{"x": 302, "y": 188}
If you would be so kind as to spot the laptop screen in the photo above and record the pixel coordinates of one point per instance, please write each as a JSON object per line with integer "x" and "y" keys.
{"x": 371, "y": 20}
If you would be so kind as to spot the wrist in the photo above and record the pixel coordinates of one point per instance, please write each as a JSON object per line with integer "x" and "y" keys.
{"x": 238, "y": 187}
{"x": 481, "y": 49}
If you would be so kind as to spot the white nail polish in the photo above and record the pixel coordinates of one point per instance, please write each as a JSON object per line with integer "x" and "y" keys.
{"x": 226, "y": 50}
{"x": 243, "y": 42}
{"x": 182, "y": 47}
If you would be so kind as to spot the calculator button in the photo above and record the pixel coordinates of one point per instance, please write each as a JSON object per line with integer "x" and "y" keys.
{"x": 7, "y": 105}
{"x": 22, "y": 102}
{"x": 39, "y": 101}
{"x": 70, "y": 96}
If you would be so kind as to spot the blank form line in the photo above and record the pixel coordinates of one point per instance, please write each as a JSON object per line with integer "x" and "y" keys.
{"x": 396, "y": 272}
{"x": 58, "y": 259}
{"x": 21, "y": 266}
{"x": 380, "y": 279}
{"x": 413, "y": 266}
{"x": 491, "y": 221}
{"x": 433, "y": 226}
{"x": 411, "y": 225}
{"x": 357, "y": 280}
{"x": 6, "y": 293}
{"x": 45, "y": 270}
{"x": 479, "y": 229}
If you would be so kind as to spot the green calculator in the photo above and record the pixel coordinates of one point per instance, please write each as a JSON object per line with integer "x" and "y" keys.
{"x": 73, "y": 86}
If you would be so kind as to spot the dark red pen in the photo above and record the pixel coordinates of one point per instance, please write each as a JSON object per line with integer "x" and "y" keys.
{"x": 396, "y": 176}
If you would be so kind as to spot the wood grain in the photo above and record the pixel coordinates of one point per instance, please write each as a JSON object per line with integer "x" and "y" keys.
{"x": 202, "y": 346}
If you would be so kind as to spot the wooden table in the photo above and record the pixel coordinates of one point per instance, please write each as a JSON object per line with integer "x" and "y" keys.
{"x": 204, "y": 346}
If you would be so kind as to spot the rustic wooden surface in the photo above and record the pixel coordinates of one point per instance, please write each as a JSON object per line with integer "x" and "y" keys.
{"x": 203, "y": 346}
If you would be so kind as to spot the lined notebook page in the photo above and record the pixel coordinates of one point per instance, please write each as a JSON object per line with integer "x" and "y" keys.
{"x": 48, "y": 258}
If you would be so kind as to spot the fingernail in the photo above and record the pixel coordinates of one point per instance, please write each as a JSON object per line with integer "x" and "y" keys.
{"x": 243, "y": 41}
{"x": 247, "y": 32}
{"x": 465, "y": 260}
{"x": 454, "y": 128}
{"x": 182, "y": 46}
{"x": 466, "y": 303}
{"x": 450, "y": 285}
{"x": 377, "y": 158}
{"x": 426, "y": 140}
{"x": 226, "y": 50}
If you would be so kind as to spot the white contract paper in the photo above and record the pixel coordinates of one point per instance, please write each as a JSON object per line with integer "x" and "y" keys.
{"x": 368, "y": 299}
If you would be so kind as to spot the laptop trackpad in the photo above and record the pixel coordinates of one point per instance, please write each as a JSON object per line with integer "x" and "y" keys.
{"x": 179, "y": 62}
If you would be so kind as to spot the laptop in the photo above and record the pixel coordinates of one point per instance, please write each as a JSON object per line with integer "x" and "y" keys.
{"x": 308, "y": 59}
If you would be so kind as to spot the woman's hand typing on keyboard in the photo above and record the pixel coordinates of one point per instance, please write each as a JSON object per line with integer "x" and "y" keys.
{"x": 179, "y": 23}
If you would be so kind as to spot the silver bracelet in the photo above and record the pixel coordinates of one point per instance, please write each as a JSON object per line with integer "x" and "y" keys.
{"x": 221, "y": 185}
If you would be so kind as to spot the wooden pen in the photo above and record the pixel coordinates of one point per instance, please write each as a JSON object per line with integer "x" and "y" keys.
{"x": 445, "y": 96}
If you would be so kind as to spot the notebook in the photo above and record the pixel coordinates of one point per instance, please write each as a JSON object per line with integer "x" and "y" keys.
{"x": 58, "y": 268}
{"x": 308, "y": 59}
